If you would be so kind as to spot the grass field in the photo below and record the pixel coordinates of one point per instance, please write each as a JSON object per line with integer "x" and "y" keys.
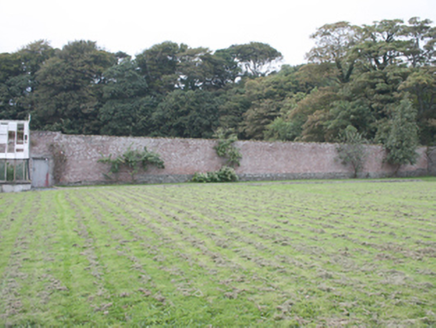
{"x": 258, "y": 255}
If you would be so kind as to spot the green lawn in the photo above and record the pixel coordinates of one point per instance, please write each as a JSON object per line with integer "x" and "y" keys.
{"x": 221, "y": 255}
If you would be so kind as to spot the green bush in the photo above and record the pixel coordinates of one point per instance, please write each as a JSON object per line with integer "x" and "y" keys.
{"x": 200, "y": 177}
{"x": 225, "y": 174}
{"x": 133, "y": 160}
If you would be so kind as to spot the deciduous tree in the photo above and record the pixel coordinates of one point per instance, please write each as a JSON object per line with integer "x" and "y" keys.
{"x": 159, "y": 65}
{"x": 256, "y": 58}
{"x": 69, "y": 88}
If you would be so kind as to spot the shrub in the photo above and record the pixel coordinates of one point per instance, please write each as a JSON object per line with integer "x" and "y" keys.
{"x": 200, "y": 177}
{"x": 225, "y": 174}
{"x": 133, "y": 160}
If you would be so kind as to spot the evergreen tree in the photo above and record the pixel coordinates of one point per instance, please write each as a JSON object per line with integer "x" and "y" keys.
{"x": 399, "y": 135}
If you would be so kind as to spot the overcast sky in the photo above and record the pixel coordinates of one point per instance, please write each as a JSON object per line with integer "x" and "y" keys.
{"x": 133, "y": 25}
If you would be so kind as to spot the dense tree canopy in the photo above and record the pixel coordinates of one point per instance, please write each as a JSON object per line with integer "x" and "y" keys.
{"x": 18, "y": 79}
{"x": 69, "y": 88}
{"x": 255, "y": 58}
{"x": 365, "y": 78}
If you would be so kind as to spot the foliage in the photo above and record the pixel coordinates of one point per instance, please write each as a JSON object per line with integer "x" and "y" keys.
{"x": 69, "y": 86}
{"x": 255, "y": 58}
{"x": 225, "y": 174}
{"x": 312, "y": 112}
{"x": 186, "y": 114}
{"x": 370, "y": 68}
{"x": 271, "y": 97}
{"x": 354, "y": 75}
{"x": 399, "y": 135}
{"x": 199, "y": 68}
{"x": 421, "y": 86}
{"x": 333, "y": 45}
{"x": 283, "y": 130}
{"x": 159, "y": 66}
{"x": 133, "y": 160}
{"x": 127, "y": 117}
{"x": 232, "y": 105}
{"x": 126, "y": 109}
{"x": 344, "y": 113}
{"x": 18, "y": 78}
{"x": 225, "y": 147}
{"x": 352, "y": 150}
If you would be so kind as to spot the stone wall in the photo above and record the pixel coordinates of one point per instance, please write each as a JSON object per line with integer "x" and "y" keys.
{"x": 183, "y": 157}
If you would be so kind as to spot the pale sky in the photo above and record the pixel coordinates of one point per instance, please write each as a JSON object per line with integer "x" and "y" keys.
{"x": 133, "y": 25}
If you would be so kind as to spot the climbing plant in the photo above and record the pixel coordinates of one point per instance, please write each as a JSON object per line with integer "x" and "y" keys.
{"x": 225, "y": 147}
{"x": 133, "y": 160}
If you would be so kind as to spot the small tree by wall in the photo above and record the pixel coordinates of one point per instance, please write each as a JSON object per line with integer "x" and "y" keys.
{"x": 133, "y": 160}
{"x": 352, "y": 150}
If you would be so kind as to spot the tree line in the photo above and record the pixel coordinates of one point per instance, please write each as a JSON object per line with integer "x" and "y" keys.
{"x": 379, "y": 79}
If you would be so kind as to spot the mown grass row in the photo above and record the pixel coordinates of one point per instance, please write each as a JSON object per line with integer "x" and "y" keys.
{"x": 222, "y": 255}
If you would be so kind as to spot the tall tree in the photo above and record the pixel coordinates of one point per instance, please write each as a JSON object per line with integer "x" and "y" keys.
{"x": 382, "y": 45}
{"x": 395, "y": 60}
{"x": 256, "y": 58}
{"x": 399, "y": 135}
{"x": 374, "y": 65}
{"x": 69, "y": 88}
{"x": 11, "y": 80}
{"x": 421, "y": 42}
{"x": 192, "y": 70}
{"x": 125, "y": 109}
{"x": 334, "y": 44}
{"x": 232, "y": 104}
{"x": 421, "y": 86}
{"x": 269, "y": 97}
{"x": 199, "y": 68}
{"x": 187, "y": 114}
{"x": 159, "y": 65}
{"x": 18, "y": 78}
{"x": 225, "y": 69}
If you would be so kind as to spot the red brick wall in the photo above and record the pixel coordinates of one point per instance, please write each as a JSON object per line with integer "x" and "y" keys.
{"x": 184, "y": 157}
